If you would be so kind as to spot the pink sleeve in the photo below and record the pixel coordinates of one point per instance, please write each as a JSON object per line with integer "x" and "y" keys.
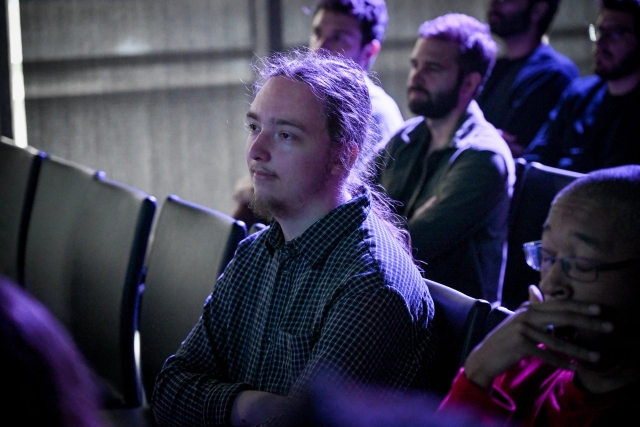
{"x": 491, "y": 407}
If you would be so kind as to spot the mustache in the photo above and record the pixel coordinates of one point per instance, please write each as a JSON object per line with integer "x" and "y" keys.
{"x": 418, "y": 88}
{"x": 495, "y": 14}
{"x": 603, "y": 52}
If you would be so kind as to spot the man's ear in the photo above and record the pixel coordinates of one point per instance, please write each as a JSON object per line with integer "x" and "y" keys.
{"x": 369, "y": 53}
{"x": 470, "y": 85}
{"x": 338, "y": 167}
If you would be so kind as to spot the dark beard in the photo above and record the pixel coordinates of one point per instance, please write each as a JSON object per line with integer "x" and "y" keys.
{"x": 629, "y": 65}
{"x": 516, "y": 25}
{"x": 438, "y": 106}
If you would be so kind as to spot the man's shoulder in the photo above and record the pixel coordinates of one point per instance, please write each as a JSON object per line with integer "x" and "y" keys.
{"x": 546, "y": 63}
{"x": 582, "y": 92}
{"x": 583, "y": 86}
{"x": 553, "y": 59}
{"x": 376, "y": 250}
{"x": 406, "y": 134}
{"x": 251, "y": 245}
{"x": 478, "y": 134}
{"x": 480, "y": 141}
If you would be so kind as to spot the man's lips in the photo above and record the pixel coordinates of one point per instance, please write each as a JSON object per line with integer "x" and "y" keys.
{"x": 602, "y": 54}
{"x": 494, "y": 16}
{"x": 417, "y": 89}
{"x": 262, "y": 174}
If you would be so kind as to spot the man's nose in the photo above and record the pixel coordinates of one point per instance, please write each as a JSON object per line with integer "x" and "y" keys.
{"x": 554, "y": 282}
{"x": 259, "y": 148}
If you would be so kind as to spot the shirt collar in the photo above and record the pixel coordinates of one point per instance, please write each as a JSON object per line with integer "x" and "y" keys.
{"x": 317, "y": 242}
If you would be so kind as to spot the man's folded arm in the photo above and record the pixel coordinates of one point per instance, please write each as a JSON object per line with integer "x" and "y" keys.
{"x": 473, "y": 188}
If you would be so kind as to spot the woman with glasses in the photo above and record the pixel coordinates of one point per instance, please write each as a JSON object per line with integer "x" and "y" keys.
{"x": 570, "y": 355}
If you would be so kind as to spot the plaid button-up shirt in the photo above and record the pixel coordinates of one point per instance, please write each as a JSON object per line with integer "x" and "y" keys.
{"x": 342, "y": 296}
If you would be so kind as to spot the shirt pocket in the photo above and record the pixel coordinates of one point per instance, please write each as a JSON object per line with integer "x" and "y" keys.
{"x": 288, "y": 356}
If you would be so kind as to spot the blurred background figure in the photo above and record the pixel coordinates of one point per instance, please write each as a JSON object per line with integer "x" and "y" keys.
{"x": 595, "y": 125}
{"x": 356, "y": 29}
{"x": 527, "y": 82}
{"x": 449, "y": 168}
{"x": 47, "y": 382}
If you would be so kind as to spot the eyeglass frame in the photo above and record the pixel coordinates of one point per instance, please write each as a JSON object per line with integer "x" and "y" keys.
{"x": 567, "y": 261}
{"x": 614, "y": 34}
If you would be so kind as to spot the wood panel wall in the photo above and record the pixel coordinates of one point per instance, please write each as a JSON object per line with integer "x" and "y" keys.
{"x": 154, "y": 92}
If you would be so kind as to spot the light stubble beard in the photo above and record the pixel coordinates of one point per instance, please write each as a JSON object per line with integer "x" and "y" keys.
{"x": 270, "y": 207}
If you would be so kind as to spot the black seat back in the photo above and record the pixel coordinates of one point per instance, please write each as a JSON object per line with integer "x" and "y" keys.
{"x": 19, "y": 168}
{"x": 459, "y": 325}
{"x": 533, "y": 194}
{"x": 84, "y": 254}
{"x": 190, "y": 247}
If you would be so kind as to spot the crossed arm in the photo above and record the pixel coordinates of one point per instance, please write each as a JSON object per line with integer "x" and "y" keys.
{"x": 370, "y": 336}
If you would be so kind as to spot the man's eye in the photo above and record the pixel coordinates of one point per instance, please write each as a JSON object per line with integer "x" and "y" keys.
{"x": 251, "y": 127}
{"x": 583, "y": 265}
{"x": 286, "y": 135}
{"x": 546, "y": 258}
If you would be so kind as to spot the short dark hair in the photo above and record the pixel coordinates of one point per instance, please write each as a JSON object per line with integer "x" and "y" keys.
{"x": 476, "y": 49}
{"x": 632, "y": 7}
{"x": 544, "y": 23}
{"x": 617, "y": 189}
{"x": 340, "y": 86}
{"x": 372, "y": 15}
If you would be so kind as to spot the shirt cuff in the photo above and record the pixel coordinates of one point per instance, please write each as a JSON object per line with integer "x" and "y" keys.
{"x": 220, "y": 403}
{"x": 493, "y": 403}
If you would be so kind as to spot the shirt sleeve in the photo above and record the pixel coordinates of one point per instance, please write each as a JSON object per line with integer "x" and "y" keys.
{"x": 369, "y": 337}
{"x": 474, "y": 186}
{"x": 544, "y": 90}
{"x": 493, "y": 407}
{"x": 193, "y": 388}
{"x": 546, "y": 146}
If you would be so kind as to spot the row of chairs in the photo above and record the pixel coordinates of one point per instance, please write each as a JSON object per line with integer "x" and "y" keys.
{"x": 95, "y": 253}
{"x": 129, "y": 283}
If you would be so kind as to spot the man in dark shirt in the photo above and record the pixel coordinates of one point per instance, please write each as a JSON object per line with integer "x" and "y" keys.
{"x": 596, "y": 123}
{"x": 528, "y": 81}
{"x": 329, "y": 286}
{"x": 449, "y": 168}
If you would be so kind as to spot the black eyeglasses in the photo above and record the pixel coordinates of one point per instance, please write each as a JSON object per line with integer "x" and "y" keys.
{"x": 577, "y": 268}
{"x": 614, "y": 33}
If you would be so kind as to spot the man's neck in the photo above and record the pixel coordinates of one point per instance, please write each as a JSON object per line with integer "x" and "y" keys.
{"x": 443, "y": 129}
{"x": 522, "y": 45}
{"x": 624, "y": 85}
{"x": 296, "y": 223}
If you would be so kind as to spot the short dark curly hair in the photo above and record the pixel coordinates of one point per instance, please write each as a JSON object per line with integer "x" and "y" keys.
{"x": 476, "y": 49}
{"x": 372, "y": 15}
{"x": 632, "y": 7}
